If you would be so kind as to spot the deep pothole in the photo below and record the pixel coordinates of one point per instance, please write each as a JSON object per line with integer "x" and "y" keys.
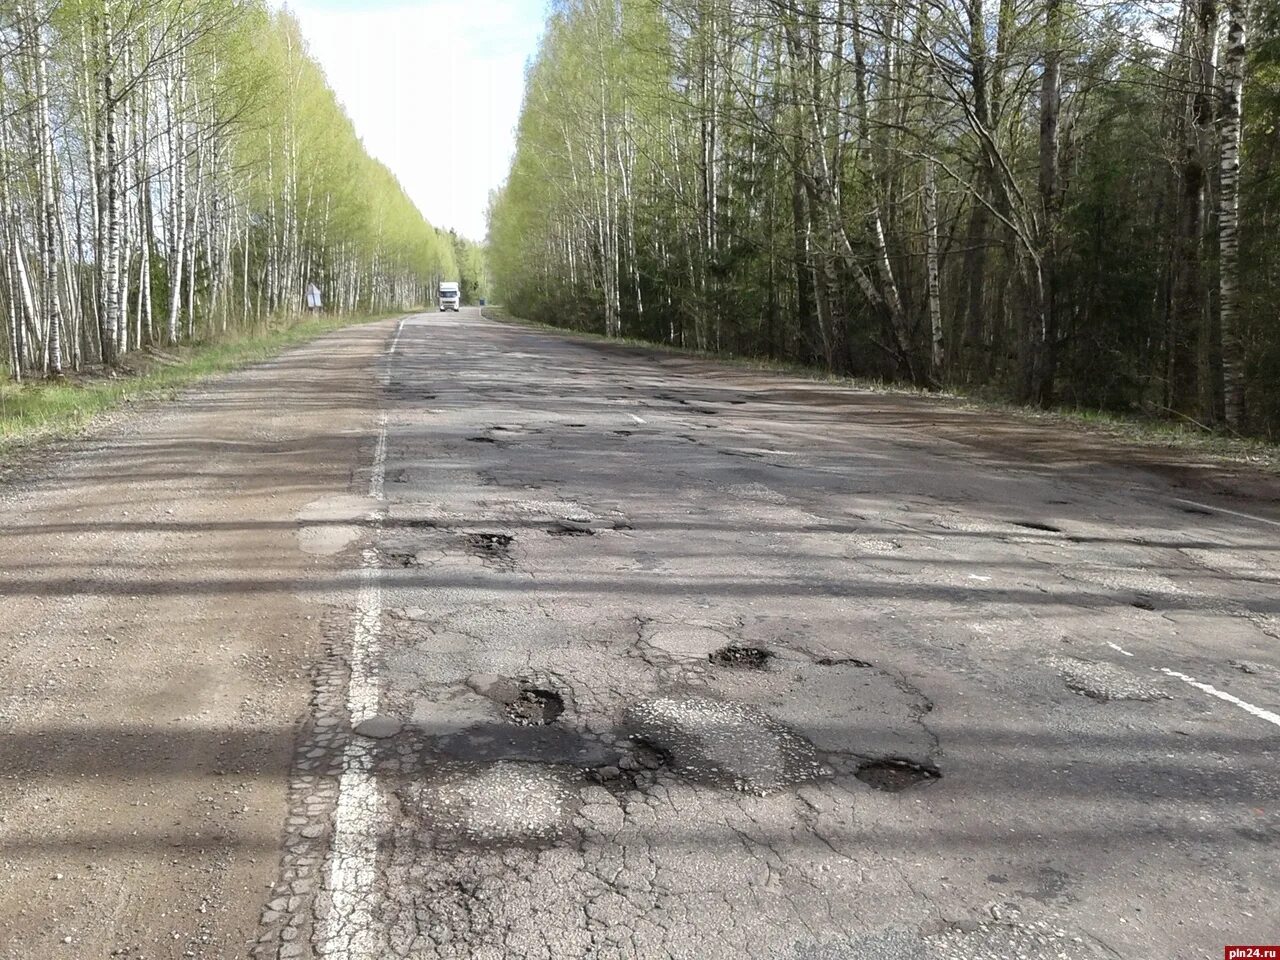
{"x": 739, "y": 657}
{"x": 1036, "y": 525}
{"x": 493, "y": 547}
{"x": 534, "y": 706}
{"x": 895, "y": 774}
{"x": 569, "y": 528}
{"x": 843, "y": 662}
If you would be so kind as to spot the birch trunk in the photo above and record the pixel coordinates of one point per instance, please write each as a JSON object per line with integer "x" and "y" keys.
{"x": 1233, "y": 67}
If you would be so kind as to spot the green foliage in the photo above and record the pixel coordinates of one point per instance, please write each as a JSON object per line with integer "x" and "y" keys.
{"x": 749, "y": 178}
{"x": 239, "y": 178}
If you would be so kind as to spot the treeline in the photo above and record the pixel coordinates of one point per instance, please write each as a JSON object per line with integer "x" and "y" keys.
{"x": 173, "y": 168}
{"x": 473, "y": 275}
{"x": 1040, "y": 198}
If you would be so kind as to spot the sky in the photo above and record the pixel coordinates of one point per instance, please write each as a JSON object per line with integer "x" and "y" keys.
{"x": 434, "y": 90}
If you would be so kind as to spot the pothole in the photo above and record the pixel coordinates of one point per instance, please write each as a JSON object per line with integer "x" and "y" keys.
{"x": 895, "y": 774}
{"x": 493, "y": 547}
{"x": 724, "y": 743}
{"x": 1143, "y": 603}
{"x": 398, "y": 557}
{"x": 1197, "y": 511}
{"x": 843, "y": 662}
{"x": 1036, "y": 525}
{"x": 1105, "y": 681}
{"x": 481, "y": 439}
{"x": 534, "y": 706}
{"x": 740, "y": 657}
{"x": 504, "y": 804}
{"x": 567, "y": 530}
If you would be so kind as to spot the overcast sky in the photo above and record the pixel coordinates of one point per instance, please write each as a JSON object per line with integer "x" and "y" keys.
{"x": 433, "y": 87}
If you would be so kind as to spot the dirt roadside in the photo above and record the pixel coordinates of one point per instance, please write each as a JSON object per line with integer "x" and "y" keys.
{"x": 159, "y": 628}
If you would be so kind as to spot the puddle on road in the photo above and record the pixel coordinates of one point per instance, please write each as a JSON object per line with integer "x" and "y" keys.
{"x": 895, "y": 774}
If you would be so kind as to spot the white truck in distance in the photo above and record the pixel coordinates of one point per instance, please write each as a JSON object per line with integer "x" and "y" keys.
{"x": 449, "y": 296}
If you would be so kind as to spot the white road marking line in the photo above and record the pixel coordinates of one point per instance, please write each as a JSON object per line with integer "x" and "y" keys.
{"x": 1258, "y": 712}
{"x": 347, "y": 930}
{"x": 1234, "y": 513}
{"x": 385, "y": 377}
{"x": 1116, "y": 646}
{"x": 637, "y": 419}
{"x": 396, "y": 342}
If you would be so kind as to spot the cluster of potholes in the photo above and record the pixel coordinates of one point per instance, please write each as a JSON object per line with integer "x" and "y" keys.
{"x": 497, "y": 548}
{"x": 530, "y": 793}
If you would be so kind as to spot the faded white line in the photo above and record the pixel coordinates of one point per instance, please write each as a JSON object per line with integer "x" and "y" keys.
{"x": 396, "y": 342}
{"x": 346, "y": 927}
{"x": 1258, "y": 712}
{"x": 637, "y": 419}
{"x": 1233, "y": 513}
{"x": 1116, "y": 646}
{"x": 385, "y": 377}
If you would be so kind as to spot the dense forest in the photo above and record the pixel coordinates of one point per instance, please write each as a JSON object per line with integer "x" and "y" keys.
{"x": 170, "y": 169}
{"x": 1052, "y": 201}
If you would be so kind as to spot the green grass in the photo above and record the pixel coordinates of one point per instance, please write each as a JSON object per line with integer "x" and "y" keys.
{"x": 42, "y": 409}
{"x": 1151, "y": 432}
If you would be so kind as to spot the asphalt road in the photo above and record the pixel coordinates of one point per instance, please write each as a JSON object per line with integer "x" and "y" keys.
{"x": 448, "y": 638}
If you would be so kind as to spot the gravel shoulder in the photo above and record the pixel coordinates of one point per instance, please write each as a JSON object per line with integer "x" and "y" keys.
{"x": 160, "y": 625}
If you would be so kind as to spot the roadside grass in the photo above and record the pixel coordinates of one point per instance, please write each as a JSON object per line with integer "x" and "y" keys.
{"x": 43, "y": 409}
{"x": 1146, "y": 431}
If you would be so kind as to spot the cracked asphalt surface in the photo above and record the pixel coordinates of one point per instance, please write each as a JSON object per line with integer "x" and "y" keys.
{"x": 647, "y": 657}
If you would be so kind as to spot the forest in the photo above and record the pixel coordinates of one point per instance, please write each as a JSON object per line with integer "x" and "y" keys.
{"x": 171, "y": 170}
{"x": 1047, "y": 201}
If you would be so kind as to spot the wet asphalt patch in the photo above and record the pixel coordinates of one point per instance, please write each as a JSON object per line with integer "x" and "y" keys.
{"x": 533, "y": 706}
{"x": 895, "y": 774}
{"x": 739, "y": 657}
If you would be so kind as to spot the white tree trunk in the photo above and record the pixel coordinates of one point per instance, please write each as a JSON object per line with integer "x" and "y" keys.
{"x": 1233, "y": 67}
